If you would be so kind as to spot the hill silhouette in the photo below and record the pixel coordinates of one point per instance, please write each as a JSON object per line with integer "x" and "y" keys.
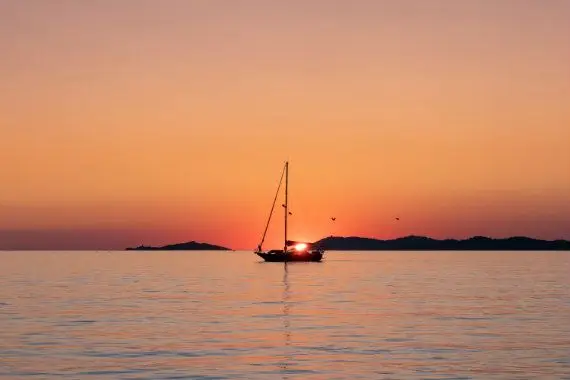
{"x": 189, "y": 246}
{"x": 422, "y": 243}
{"x": 408, "y": 243}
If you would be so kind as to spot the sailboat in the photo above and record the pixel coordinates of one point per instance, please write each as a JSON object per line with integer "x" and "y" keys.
{"x": 292, "y": 250}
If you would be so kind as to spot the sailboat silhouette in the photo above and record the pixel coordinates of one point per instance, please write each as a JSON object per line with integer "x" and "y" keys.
{"x": 292, "y": 250}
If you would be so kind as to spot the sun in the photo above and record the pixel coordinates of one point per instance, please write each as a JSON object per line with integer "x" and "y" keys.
{"x": 300, "y": 247}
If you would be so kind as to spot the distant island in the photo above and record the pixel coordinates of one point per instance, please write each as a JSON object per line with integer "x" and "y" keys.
{"x": 189, "y": 246}
{"x": 408, "y": 243}
{"x": 421, "y": 243}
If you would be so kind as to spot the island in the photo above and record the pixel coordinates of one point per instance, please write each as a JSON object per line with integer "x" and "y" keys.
{"x": 422, "y": 243}
{"x": 408, "y": 243}
{"x": 188, "y": 246}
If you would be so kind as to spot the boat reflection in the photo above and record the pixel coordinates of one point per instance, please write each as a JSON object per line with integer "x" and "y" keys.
{"x": 288, "y": 356}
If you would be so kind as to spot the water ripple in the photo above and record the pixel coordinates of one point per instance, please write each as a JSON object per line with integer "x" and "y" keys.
{"x": 217, "y": 315}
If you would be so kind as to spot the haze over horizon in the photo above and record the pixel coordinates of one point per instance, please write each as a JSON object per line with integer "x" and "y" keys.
{"x": 154, "y": 122}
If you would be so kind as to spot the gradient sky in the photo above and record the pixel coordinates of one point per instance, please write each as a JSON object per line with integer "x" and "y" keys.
{"x": 156, "y": 121}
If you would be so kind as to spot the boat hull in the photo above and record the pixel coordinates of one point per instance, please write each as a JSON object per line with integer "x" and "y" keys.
{"x": 280, "y": 256}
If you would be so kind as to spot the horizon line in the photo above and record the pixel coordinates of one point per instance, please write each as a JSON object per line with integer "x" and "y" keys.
{"x": 326, "y": 237}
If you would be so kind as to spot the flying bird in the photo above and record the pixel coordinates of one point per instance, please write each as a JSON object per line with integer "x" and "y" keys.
{"x": 333, "y": 219}
{"x": 397, "y": 218}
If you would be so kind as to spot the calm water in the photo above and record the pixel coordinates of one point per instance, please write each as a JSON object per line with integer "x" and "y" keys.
{"x": 224, "y": 315}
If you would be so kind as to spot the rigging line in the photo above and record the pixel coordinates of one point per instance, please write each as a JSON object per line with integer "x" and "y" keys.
{"x": 272, "y": 207}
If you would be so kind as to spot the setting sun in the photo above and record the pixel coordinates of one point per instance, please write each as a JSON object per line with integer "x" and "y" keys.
{"x": 300, "y": 247}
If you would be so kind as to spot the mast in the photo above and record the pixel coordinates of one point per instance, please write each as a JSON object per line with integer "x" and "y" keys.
{"x": 286, "y": 204}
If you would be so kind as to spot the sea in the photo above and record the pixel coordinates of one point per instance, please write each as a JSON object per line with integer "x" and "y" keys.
{"x": 226, "y": 315}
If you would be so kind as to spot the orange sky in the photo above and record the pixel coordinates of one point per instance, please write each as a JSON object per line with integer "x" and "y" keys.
{"x": 127, "y": 122}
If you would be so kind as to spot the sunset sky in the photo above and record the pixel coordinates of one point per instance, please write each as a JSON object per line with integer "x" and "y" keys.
{"x": 158, "y": 121}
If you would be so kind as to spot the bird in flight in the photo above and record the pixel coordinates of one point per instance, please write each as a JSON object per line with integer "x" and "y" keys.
{"x": 397, "y": 218}
{"x": 333, "y": 218}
